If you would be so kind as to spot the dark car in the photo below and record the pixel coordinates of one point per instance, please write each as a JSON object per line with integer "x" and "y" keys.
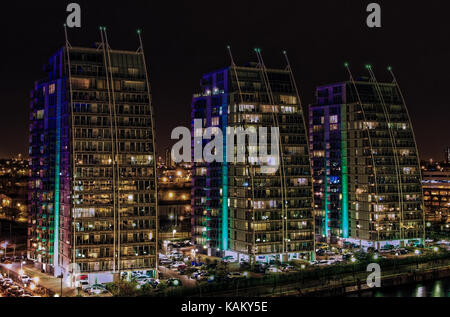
{"x": 320, "y": 252}
{"x": 347, "y": 256}
{"x": 245, "y": 265}
{"x": 260, "y": 268}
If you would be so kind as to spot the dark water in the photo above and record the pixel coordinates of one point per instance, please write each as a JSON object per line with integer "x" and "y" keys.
{"x": 439, "y": 288}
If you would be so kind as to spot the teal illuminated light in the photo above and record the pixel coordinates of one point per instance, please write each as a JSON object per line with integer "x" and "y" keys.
{"x": 344, "y": 167}
{"x": 327, "y": 212}
{"x": 57, "y": 176}
{"x": 224, "y": 246}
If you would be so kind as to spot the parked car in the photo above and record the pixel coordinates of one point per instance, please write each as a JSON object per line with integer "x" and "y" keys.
{"x": 260, "y": 268}
{"x": 178, "y": 265}
{"x": 347, "y": 256}
{"x": 273, "y": 270}
{"x": 84, "y": 285}
{"x": 96, "y": 290}
{"x": 400, "y": 251}
{"x": 228, "y": 259}
{"x": 25, "y": 279}
{"x": 165, "y": 262}
{"x": 287, "y": 268}
{"x": 245, "y": 265}
{"x": 234, "y": 275}
{"x": 14, "y": 290}
{"x": 7, "y": 281}
{"x": 320, "y": 252}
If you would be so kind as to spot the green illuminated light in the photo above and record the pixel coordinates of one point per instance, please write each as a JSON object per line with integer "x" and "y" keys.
{"x": 57, "y": 177}
{"x": 225, "y": 181}
{"x": 344, "y": 165}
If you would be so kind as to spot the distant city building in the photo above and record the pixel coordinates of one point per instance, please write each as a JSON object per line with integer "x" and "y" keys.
{"x": 367, "y": 180}
{"x": 175, "y": 204}
{"x": 238, "y": 210}
{"x": 436, "y": 187}
{"x": 168, "y": 159}
{"x": 93, "y": 203}
{"x": 447, "y": 155}
{"x": 14, "y": 189}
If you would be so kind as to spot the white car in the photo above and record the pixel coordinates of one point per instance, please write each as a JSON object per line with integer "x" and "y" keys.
{"x": 84, "y": 285}
{"x": 96, "y": 290}
{"x": 177, "y": 265}
{"x": 25, "y": 279}
{"x": 8, "y": 281}
{"x": 273, "y": 269}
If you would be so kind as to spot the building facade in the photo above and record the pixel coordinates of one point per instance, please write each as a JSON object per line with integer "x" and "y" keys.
{"x": 239, "y": 210}
{"x": 367, "y": 178}
{"x": 92, "y": 188}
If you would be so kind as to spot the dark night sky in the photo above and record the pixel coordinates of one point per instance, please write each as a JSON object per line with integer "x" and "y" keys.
{"x": 184, "y": 39}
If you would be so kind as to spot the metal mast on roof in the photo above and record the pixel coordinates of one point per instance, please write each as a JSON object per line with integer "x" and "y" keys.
{"x": 281, "y": 154}
{"x": 394, "y": 78}
{"x": 113, "y": 147}
{"x": 294, "y": 85}
{"x": 394, "y": 147}
{"x": 72, "y": 172}
{"x": 352, "y": 80}
{"x": 117, "y": 158}
{"x": 141, "y": 50}
{"x": 250, "y": 168}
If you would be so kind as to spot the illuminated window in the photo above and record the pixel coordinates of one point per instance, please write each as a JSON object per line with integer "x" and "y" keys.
{"x": 269, "y": 109}
{"x": 243, "y": 108}
{"x": 300, "y": 182}
{"x": 215, "y": 121}
{"x": 334, "y": 119}
{"x": 51, "y": 89}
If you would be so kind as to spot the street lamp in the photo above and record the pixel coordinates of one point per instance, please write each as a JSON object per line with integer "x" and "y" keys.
{"x": 5, "y": 245}
{"x": 354, "y": 267}
{"x": 9, "y": 267}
